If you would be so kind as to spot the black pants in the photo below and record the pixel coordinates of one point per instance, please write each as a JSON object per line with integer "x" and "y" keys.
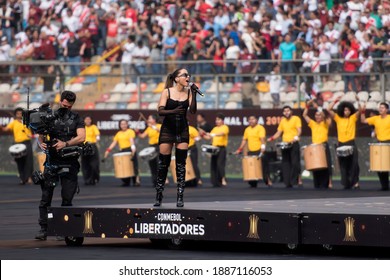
{"x": 90, "y": 166}
{"x": 153, "y": 166}
{"x": 217, "y": 167}
{"x": 321, "y": 177}
{"x": 68, "y": 182}
{"x": 349, "y": 166}
{"x": 134, "y": 159}
{"x": 194, "y": 160}
{"x": 264, "y": 167}
{"x": 25, "y": 164}
{"x": 291, "y": 165}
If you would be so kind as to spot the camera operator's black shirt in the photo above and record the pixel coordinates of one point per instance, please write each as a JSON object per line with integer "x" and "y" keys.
{"x": 66, "y": 126}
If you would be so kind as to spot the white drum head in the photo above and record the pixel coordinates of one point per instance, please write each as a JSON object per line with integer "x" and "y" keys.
{"x": 147, "y": 151}
{"x": 17, "y": 148}
{"x": 122, "y": 154}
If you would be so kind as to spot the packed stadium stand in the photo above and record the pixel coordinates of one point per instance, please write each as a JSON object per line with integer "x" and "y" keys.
{"x": 116, "y": 54}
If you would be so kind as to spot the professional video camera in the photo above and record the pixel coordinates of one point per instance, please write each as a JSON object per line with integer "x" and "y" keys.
{"x": 40, "y": 120}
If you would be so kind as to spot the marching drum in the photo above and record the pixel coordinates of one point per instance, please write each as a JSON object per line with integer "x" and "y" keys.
{"x": 18, "y": 150}
{"x": 209, "y": 149}
{"x": 252, "y": 168}
{"x": 315, "y": 157}
{"x": 123, "y": 165}
{"x": 379, "y": 157}
{"x": 41, "y": 161}
{"x": 148, "y": 153}
{"x": 284, "y": 145}
{"x": 344, "y": 151}
{"x": 190, "y": 173}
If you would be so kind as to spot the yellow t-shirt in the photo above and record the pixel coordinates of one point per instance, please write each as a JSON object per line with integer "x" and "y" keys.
{"x": 289, "y": 127}
{"x": 253, "y": 137}
{"x": 220, "y": 140}
{"x": 123, "y": 138}
{"x": 319, "y": 132}
{"x": 346, "y": 128}
{"x": 153, "y": 134}
{"x": 91, "y": 132}
{"x": 382, "y": 127}
{"x": 193, "y": 134}
{"x": 21, "y": 132}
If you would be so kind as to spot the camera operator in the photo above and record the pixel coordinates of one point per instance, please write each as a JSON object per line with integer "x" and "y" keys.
{"x": 68, "y": 130}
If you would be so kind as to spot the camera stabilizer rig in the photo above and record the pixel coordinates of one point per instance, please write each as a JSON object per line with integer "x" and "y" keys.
{"x": 52, "y": 170}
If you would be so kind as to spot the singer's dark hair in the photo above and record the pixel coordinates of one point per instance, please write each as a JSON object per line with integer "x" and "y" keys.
{"x": 171, "y": 77}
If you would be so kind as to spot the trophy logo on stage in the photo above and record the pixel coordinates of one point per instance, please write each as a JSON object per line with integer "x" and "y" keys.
{"x": 253, "y": 222}
{"x": 88, "y": 222}
{"x": 349, "y": 229}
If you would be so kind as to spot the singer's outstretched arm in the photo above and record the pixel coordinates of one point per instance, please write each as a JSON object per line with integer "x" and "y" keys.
{"x": 193, "y": 106}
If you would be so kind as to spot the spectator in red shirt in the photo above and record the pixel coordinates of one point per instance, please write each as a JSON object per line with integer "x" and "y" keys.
{"x": 202, "y": 7}
{"x": 247, "y": 66}
{"x": 85, "y": 38}
{"x": 130, "y": 12}
{"x": 182, "y": 40}
{"x": 350, "y": 66}
{"x": 112, "y": 28}
{"x": 93, "y": 28}
{"x": 34, "y": 13}
{"x": 200, "y": 33}
{"x": 47, "y": 49}
{"x": 217, "y": 50}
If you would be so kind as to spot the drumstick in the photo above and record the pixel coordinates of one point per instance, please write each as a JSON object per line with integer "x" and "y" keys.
{"x": 142, "y": 116}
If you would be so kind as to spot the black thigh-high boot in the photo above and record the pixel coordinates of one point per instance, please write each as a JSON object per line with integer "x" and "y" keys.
{"x": 163, "y": 164}
{"x": 181, "y": 156}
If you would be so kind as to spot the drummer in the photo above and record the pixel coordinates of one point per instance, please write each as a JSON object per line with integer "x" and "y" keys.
{"x": 254, "y": 139}
{"x": 319, "y": 135}
{"x": 381, "y": 124}
{"x": 22, "y": 135}
{"x": 219, "y": 136}
{"x": 345, "y": 119}
{"x": 152, "y": 132}
{"x": 291, "y": 128}
{"x": 90, "y": 163}
{"x": 193, "y": 151}
{"x": 125, "y": 139}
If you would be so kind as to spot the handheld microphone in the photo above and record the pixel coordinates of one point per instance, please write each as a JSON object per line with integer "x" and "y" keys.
{"x": 195, "y": 88}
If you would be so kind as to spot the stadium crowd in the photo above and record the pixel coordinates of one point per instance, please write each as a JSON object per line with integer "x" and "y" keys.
{"x": 228, "y": 33}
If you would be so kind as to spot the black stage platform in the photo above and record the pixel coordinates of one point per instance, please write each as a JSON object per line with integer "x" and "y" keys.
{"x": 358, "y": 221}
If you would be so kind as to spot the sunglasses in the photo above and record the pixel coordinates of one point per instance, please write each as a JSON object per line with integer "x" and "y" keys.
{"x": 185, "y": 75}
